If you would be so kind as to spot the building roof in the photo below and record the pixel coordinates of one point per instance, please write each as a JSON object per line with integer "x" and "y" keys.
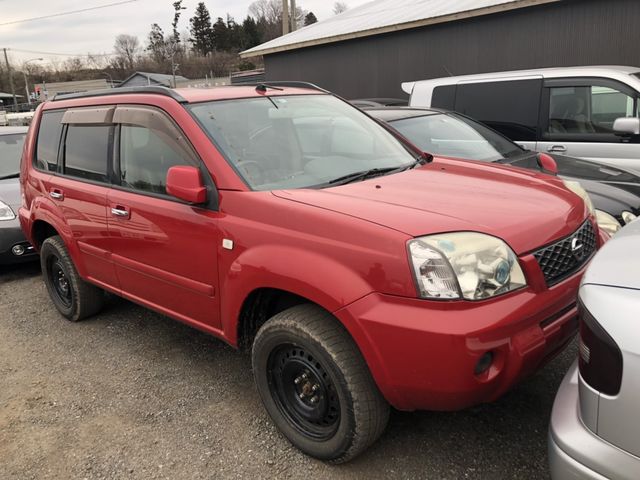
{"x": 160, "y": 78}
{"x": 384, "y": 16}
{"x": 8, "y": 95}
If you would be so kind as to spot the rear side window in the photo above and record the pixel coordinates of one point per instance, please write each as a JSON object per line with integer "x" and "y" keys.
{"x": 512, "y": 108}
{"x": 444, "y": 97}
{"x": 86, "y": 151}
{"x": 49, "y": 141}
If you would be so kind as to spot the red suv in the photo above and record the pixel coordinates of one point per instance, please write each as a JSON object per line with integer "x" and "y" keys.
{"x": 283, "y": 220}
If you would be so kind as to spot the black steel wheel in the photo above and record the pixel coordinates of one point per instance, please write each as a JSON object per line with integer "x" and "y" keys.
{"x": 316, "y": 386}
{"x": 74, "y": 298}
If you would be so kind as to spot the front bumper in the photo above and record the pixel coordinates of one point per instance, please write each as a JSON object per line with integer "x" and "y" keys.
{"x": 423, "y": 354}
{"x": 10, "y": 235}
{"x": 575, "y": 452}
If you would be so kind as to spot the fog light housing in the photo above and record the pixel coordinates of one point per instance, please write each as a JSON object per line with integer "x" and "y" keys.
{"x": 18, "y": 250}
{"x": 484, "y": 363}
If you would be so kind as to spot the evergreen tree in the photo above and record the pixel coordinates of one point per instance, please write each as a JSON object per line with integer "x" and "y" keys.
{"x": 201, "y": 30}
{"x": 177, "y": 11}
{"x": 251, "y": 32}
{"x": 221, "y": 35}
{"x": 310, "y": 19}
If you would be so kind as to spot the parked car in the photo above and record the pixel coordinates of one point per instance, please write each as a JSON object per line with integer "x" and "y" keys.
{"x": 595, "y": 428}
{"x": 14, "y": 247}
{"x": 583, "y": 112}
{"x": 287, "y": 221}
{"x": 379, "y": 102}
{"x": 615, "y": 192}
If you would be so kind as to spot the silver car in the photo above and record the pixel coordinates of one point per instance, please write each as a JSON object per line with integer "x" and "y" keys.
{"x": 595, "y": 426}
{"x": 13, "y": 246}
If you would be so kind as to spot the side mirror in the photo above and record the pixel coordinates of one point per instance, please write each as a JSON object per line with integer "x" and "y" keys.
{"x": 547, "y": 164}
{"x": 627, "y": 126}
{"x": 186, "y": 184}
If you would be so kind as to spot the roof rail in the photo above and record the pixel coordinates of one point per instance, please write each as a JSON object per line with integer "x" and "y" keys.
{"x": 287, "y": 83}
{"x": 156, "y": 90}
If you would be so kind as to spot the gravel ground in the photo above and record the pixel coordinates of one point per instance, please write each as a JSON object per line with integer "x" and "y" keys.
{"x": 133, "y": 394}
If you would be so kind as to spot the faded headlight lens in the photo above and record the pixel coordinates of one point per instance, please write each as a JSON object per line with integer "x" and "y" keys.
{"x": 468, "y": 265}
{"x": 607, "y": 223}
{"x": 5, "y": 212}
{"x": 576, "y": 188}
{"x": 628, "y": 217}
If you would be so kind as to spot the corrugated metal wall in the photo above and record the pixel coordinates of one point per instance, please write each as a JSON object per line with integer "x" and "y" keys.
{"x": 574, "y": 32}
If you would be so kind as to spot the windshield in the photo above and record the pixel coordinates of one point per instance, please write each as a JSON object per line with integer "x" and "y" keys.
{"x": 301, "y": 141}
{"x": 10, "y": 153}
{"x": 458, "y": 137}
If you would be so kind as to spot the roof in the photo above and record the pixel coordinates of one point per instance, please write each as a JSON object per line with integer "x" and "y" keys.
{"x": 384, "y": 16}
{"x": 161, "y": 78}
{"x": 8, "y": 95}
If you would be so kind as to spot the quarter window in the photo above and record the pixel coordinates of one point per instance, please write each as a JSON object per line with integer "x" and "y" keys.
{"x": 49, "y": 140}
{"x": 146, "y": 155}
{"x": 86, "y": 153}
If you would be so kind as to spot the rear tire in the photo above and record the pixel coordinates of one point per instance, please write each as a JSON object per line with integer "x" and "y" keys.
{"x": 74, "y": 298}
{"x": 316, "y": 386}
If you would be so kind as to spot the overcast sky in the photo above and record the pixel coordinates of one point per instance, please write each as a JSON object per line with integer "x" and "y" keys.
{"x": 94, "y": 31}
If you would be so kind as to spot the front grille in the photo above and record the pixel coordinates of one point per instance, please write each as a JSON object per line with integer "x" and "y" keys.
{"x": 567, "y": 256}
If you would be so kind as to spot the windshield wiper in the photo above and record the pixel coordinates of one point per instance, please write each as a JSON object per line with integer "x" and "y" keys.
{"x": 13, "y": 175}
{"x": 364, "y": 175}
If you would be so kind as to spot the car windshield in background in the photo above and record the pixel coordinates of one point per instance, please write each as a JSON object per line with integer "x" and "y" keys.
{"x": 301, "y": 141}
{"x": 459, "y": 137}
{"x": 10, "y": 153}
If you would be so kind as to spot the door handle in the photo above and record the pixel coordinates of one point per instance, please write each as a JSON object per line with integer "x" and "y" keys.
{"x": 557, "y": 149}
{"x": 120, "y": 212}
{"x": 56, "y": 194}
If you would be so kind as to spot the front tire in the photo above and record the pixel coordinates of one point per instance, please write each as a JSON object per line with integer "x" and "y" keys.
{"x": 316, "y": 386}
{"x": 74, "y": 298}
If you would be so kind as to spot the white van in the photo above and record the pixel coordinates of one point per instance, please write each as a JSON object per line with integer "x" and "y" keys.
{"x": 584, "y": 112}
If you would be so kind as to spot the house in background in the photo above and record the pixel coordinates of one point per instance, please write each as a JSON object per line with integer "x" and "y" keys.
{"x": 46, "y": 91}
{"x": 142, "y": 79}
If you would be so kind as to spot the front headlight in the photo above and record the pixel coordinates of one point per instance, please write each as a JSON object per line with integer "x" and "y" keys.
{"x": 576, "y": 188}
{"x": 628, "y": 217}
{"x": 607, "y": 223}
{"x": 468, "y": 265}
{"x": 5, "y": 212}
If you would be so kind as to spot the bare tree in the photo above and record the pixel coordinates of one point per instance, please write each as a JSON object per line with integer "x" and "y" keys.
{"x": 127, "y": 48}
{"x": 340, "y": 7}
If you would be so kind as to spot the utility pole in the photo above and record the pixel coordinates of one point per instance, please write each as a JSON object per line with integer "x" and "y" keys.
{"x": 285, "y": 17}
{"x": 13, "y": 90}
{"x": 294, "y": 23}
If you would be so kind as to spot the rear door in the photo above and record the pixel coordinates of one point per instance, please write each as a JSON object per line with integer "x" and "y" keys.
{"x": 164, "y": 250}
{"x": 79, "y": 186}
{"x": 577, "y": 119}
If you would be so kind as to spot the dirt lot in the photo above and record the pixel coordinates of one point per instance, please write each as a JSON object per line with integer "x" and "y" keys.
{"x": 132, "y": 394}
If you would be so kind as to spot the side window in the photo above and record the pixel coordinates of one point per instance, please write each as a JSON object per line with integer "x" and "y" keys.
{"x": 444, "y": 97}
{"x": 86, "y": 151}
{"x": 49, "y": 141}
{"x": 512, "y": 108}
{"x": 146, "y": 155}
{"x": 587, "y": 109}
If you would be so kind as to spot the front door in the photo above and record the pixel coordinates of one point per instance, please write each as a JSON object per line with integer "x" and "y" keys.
{"x": 164, "y": 250}
{"x": 577, "y": 120}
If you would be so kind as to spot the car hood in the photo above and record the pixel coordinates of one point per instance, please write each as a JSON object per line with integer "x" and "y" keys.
{"x": 618, "y": 263}
{"x": 525, "y": 208}
{"x": 609, "y": 198}
{"x": 10, "y": 192}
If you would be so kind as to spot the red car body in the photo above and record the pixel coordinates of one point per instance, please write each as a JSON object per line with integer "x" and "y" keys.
{"x": 342, "y": 248}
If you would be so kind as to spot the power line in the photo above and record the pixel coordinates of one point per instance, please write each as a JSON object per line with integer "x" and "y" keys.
{"x": 62, "y": 54}
{"x": 32, "y": 19}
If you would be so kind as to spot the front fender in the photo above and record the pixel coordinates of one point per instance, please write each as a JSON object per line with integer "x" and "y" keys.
{"x": 311, "y": 275}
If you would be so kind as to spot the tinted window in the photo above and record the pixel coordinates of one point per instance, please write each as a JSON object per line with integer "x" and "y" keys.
{"x": 453, "y": 136}
{"x": 511, "y": 108}
{"x": 587, "y": 109}
{"x": 10, "y": 152}
{"x": 49, "y": 140}
{"x": 146, "y": 156}
{"x": 444, "y": 97}
{"x": 87, "y": 151}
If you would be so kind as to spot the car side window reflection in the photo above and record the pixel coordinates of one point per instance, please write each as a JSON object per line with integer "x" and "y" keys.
{"x": 145, "y": 157}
